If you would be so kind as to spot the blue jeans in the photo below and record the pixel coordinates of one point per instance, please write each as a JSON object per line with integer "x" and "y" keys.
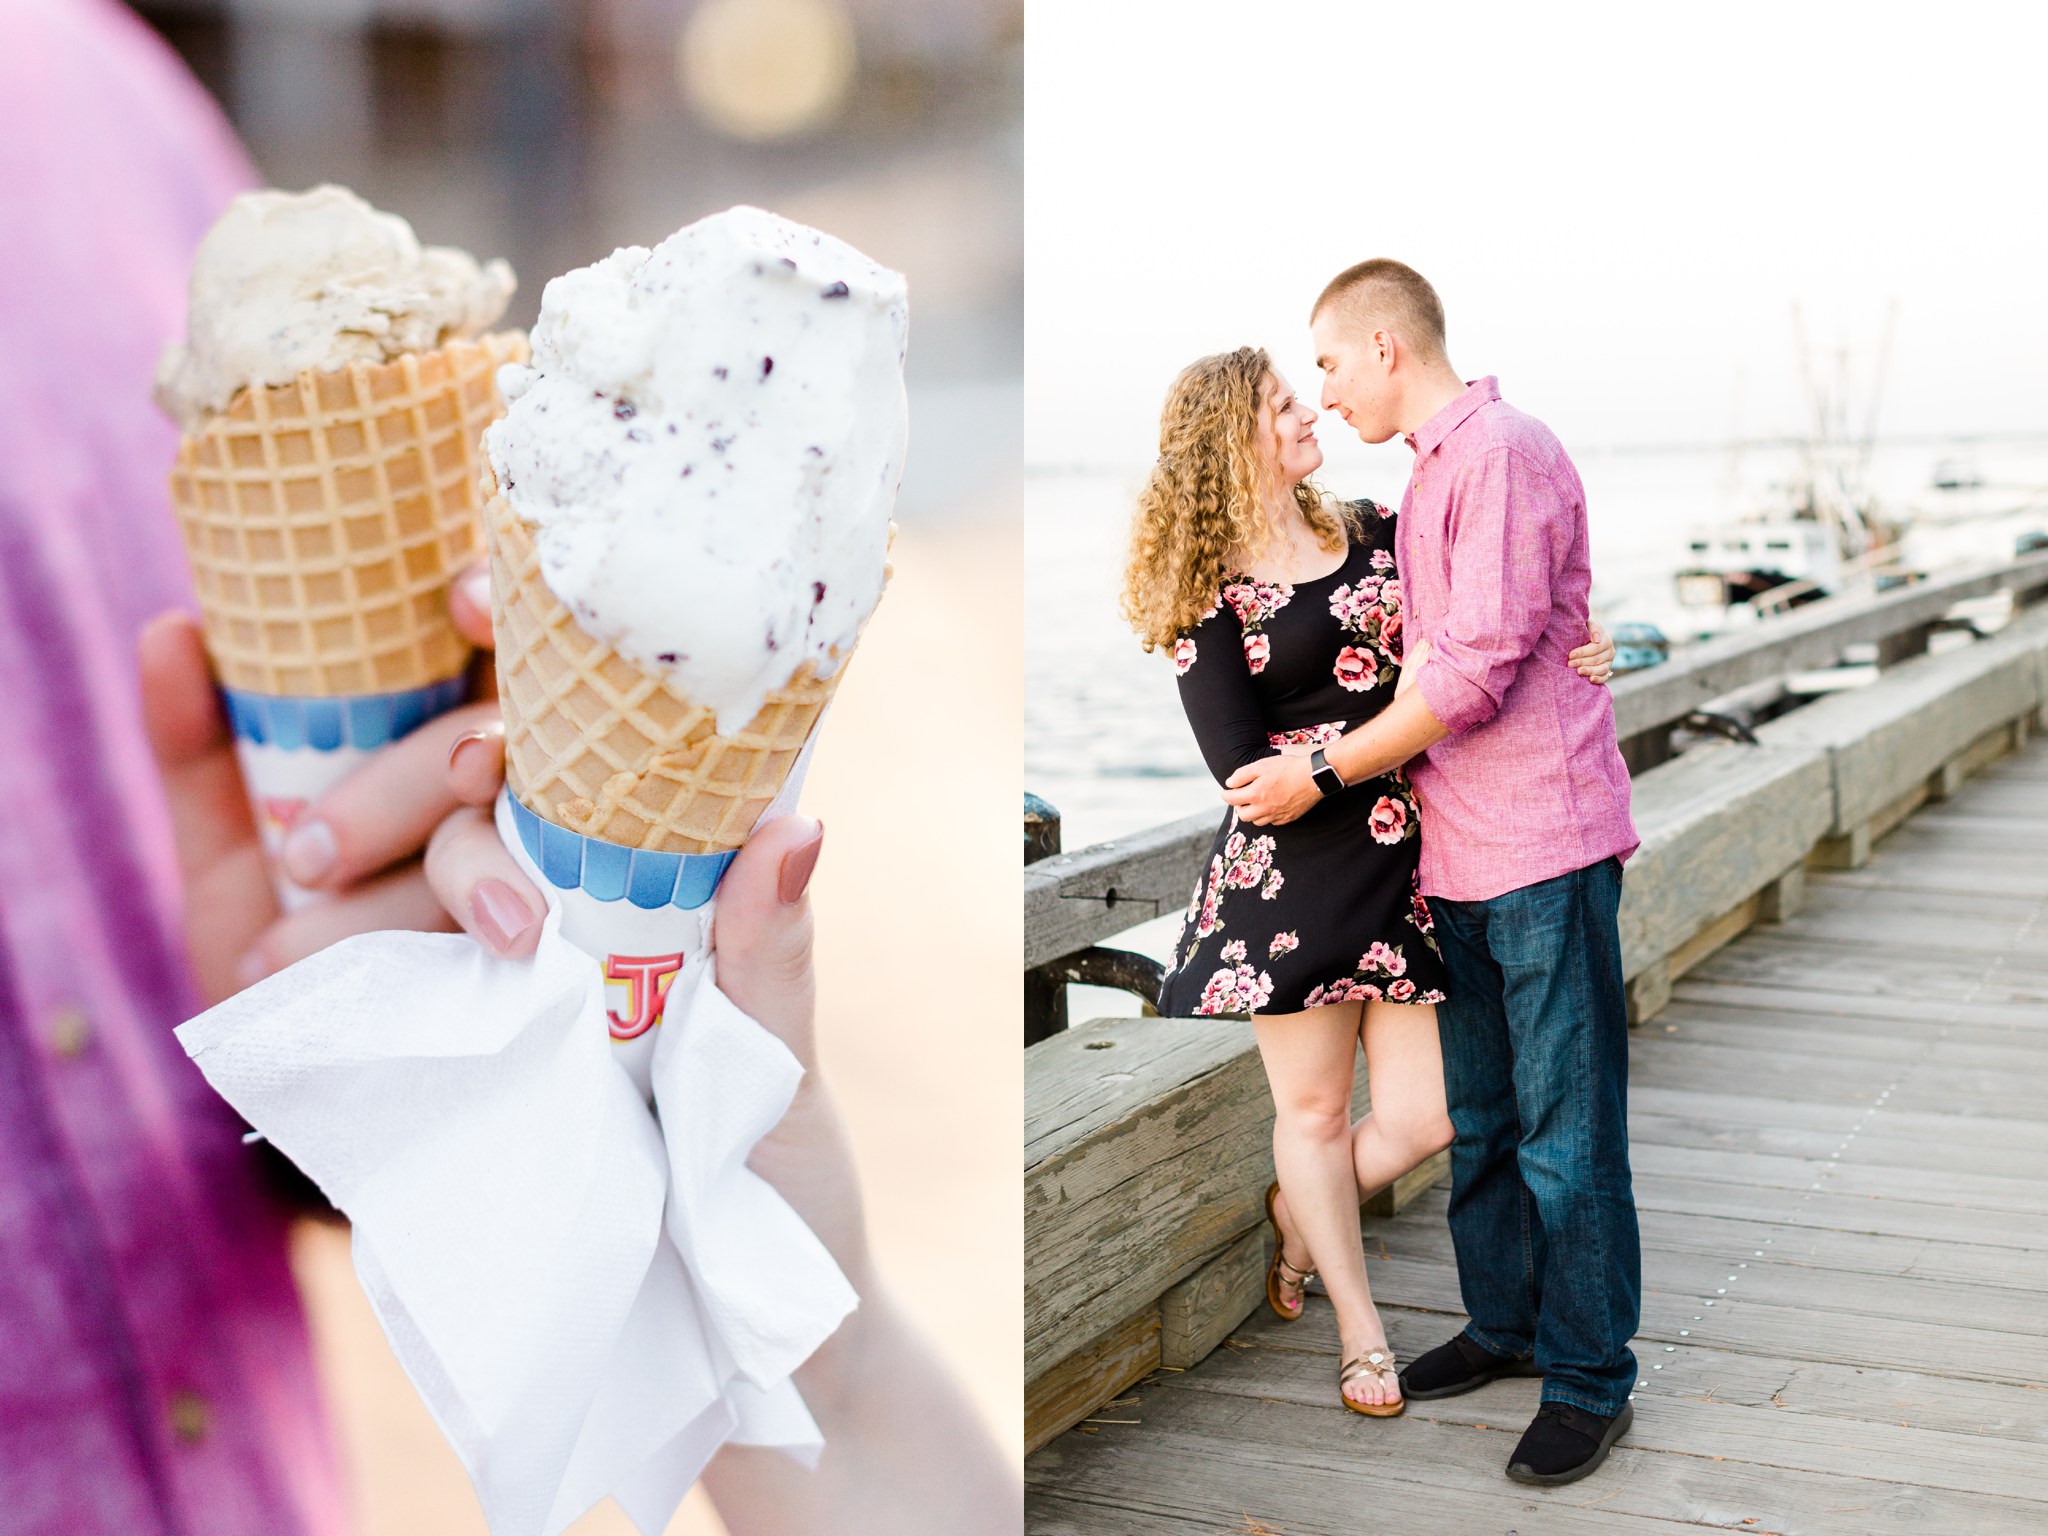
{"x": 1535, "y": 1040}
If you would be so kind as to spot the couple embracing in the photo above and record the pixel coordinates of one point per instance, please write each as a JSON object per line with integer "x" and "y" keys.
{"x": 1428, "y": 815}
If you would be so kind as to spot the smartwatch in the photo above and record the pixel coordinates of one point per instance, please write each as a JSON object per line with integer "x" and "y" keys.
{"x": 1328, "y": 780}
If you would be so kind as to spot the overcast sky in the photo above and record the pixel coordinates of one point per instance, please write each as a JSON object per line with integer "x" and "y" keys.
{"x": 1618, "y": 204}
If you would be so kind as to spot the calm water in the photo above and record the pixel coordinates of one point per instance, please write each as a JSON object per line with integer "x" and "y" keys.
{"x": 1105, "y": 740}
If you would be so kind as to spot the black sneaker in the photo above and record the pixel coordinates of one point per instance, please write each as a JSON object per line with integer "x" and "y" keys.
{"x": 1562, "y": 1443}
{"x": 1458, "y": 1366}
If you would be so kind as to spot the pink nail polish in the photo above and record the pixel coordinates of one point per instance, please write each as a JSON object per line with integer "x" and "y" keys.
{"x": 500, "y": 916}
{"x": 476, "y": 586}
{"x": 252, "y": 968}
{"x": 309, "y": 851}
{"x": 797, "y": 866}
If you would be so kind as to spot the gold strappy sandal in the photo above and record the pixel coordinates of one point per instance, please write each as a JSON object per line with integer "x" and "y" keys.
{"x": 1378, "y": 1362}
{"x": 1299, "y": 1279}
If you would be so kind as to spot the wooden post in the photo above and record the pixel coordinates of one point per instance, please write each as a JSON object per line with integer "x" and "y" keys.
{"x": 1045, "y": 992}
{"x": 1893, "y": 649}
{"x": 1646, "y": 750}
{"x": 1781, "y": 900}
{"x": 1202, "y": 1311}
{"x": 1648, "y": 992}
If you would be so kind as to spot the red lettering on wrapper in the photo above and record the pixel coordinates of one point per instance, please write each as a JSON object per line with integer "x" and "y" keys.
{"x": 647, "y": 979}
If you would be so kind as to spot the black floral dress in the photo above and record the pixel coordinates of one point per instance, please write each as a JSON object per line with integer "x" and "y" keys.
{"x": 1326, "y": 908}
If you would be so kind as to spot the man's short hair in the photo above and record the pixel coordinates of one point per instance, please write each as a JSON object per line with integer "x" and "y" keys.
{"x": 1384, "y": 292}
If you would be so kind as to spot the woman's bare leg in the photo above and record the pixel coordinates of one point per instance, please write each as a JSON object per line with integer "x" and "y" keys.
{"x": 1404, "y": 1066}
{"x": 1308, "y": 1059}
{"x": 1409, "y": 1122}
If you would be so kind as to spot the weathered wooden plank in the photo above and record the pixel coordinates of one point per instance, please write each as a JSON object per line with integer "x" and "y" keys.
{"x": 1117, "y": 1215}
{"x": 1812, "y": 636}
{"x": 1293, "y": 1466}
{"x": 1413, "y": 1265}
{"x": 1768, "y": 1074}
{"x": 1083, "y": 1079}
{"x": 1843, "y": 1213}
{"x": 1955, "y": 925}
{"x": 1840, "y": 1250}
{"x": 1983, "y": 1193}
{"x": 1815, "y": 1247}
{"x": 1767, "y": 956}
{"x": 2015, "y": 1020}
{"x": 1672, "y": 1417}
{"x": 1891, "y": 1039}
{"x": 2021, "y": 1142}
{"x": 1925, "y": 1392}
{"x": 1865, "y": 1149}
{"x": 1072, "y": 900}
{"x": 1885, "y": 741}
{"x": 1199, "y": 1313}
{"x": 1186, "y": 1489}
{"x": 1062, "y": 1397}
{"x": 1148, "y": 1151}
{"x": 2000, "y": 871}
{"x": 1718, "y": 824}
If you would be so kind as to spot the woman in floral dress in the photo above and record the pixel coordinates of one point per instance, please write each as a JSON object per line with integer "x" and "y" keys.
{"x": 1282, "y": 611}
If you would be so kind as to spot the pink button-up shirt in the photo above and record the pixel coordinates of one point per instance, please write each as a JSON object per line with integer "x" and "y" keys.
{"x": 155, "y": 1375}
{"x": 1495, "y": 573}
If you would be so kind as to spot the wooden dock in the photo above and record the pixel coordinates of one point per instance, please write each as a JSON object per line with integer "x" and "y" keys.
{"x": 1839, "y": 1126}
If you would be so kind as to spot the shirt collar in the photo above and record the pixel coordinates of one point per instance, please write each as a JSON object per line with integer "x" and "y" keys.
{"x": 1428, "y": 437}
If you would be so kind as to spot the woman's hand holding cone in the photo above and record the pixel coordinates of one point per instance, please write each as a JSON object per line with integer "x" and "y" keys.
{"x": 468, "y": 866}
{"x": 364, "y": 844}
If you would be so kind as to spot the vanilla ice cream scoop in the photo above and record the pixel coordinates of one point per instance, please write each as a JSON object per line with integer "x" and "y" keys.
{"x": 709, "y": 442}
{"x": 291, "y": 281}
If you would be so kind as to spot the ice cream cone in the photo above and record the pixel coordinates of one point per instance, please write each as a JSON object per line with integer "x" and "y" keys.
{"x": 598, "y": 746}
{"x": 324, "y": 519}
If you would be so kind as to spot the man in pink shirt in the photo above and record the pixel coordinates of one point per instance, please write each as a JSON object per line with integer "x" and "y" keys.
{"x": 155, "y": 1373}
{"x": 1525, "y": 824}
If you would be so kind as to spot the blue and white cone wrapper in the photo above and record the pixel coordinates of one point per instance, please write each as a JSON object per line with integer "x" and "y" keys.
{"x": 586, "y": 1283}
{"x": 293, "y": 751}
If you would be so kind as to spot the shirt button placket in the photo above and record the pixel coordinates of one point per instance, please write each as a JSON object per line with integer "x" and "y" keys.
{"x": 68, "y": 1031}
{"x": 191, "y": 1418}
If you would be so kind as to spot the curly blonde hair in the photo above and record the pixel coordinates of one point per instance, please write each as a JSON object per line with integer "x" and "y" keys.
{"x": 1201, "y": 510}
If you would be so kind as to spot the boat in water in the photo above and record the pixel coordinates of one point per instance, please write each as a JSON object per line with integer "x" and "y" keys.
{"x": 1820, "y": 532}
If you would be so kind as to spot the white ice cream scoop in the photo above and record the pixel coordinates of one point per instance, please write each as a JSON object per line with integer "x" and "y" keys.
{"x": 287, "y": 282}
{"x": 709, "y": 442}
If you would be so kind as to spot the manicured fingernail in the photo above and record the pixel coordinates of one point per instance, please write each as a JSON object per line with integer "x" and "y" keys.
{"x": 466, "y": 739}
{"x": 309, "y": 851}
{"x": 501, "y": 917}
{"x": 252, "y": 969}
{"x": 476, "y": 586}
{"x": 797, "y": 865}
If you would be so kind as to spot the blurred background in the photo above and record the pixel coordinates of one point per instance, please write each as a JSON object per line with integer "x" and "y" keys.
{"x": 550, "y": 132}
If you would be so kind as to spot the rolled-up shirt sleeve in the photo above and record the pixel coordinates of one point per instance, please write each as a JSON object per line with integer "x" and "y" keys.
{"x": 1508, "y": 534}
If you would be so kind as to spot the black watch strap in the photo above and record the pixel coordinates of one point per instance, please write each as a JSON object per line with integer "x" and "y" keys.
{"x": 1327, "y": 778}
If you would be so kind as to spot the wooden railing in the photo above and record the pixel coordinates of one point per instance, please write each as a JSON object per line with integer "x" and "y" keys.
{"x": 1074, "y": 900}
{"x": 1147, "y": 1141}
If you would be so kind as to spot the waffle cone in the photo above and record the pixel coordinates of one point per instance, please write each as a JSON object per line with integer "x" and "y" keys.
{"x": 324, "y": 519}
{"x": 599, "y": 746}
